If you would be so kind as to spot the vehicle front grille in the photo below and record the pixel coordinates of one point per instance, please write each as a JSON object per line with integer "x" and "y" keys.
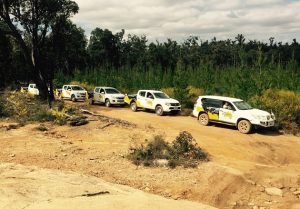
{"x": 175, "y": 104}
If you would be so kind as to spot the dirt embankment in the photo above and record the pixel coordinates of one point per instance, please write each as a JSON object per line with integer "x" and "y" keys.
{"x": 260, "y": 170}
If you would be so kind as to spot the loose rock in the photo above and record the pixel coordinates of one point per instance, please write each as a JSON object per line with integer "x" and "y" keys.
{"x": 274, "y": 191}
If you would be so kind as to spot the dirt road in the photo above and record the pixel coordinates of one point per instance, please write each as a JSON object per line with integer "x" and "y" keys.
{"x": 242, "y": 172}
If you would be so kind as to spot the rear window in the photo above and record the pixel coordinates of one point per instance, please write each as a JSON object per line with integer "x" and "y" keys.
{"x": 211, "y": 103}
{"x": 142, "y": 93}
{"x": 77, "y": 88}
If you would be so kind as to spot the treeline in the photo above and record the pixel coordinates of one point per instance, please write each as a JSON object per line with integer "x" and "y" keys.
{"x": 131, "y": 62}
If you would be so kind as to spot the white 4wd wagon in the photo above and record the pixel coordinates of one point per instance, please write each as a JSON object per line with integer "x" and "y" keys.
{"x": 231, "y": 111}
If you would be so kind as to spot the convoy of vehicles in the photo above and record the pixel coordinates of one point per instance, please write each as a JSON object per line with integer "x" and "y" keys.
{"x": 31, "y": 89}
{"x": 231, "y": 111}
{"x": 108, "y": 96}
{"x": 73, "y": 92}
{"x": 153, "y": 100}
{"x": 207, "y": 109}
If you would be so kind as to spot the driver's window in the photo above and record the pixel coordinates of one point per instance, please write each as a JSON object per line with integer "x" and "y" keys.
{"x": 150, "y": 96}
{"x": 102, "y": 91}
{"x": 69, "y": 89}
{"x": 227, "y": 106}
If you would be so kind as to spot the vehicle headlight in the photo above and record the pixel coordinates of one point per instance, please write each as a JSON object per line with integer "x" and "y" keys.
{"x": 273, "y": 116}
{"x": 168, "y": 104}
{"x": 259, "y": 117}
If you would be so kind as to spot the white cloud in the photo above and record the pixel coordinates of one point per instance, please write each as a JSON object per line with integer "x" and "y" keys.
{"x": 177, "y": 19}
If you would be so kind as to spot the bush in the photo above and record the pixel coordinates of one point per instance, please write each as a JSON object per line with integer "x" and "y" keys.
{"x": 285, "y": 105}
{"x": 24, "y": 108}
{"x": 169, "y": 91}
{"x": 182, "y": 151}
{"x": 84, "y": 84}
{"x": 194, "y": 93}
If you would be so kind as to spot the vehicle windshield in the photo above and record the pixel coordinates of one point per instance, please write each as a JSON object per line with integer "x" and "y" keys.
{"x": 77, "y": 88}
{"x": 112, "y": 91}
{"x": 161, "y": 95}
{"x": 242, "y": 105}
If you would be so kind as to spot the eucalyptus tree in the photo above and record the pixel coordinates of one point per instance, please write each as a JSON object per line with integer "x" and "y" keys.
{"x": 30, "y": 22}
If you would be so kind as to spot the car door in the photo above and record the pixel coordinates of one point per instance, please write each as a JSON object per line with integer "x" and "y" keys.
{"x": 68, "y": 92}
{"x": 149, "y": 101}
{"x": 64, "y": 91}
{"x": 227, "y": 112}
{"x": 96, "y": 95}
{"x": 141, "y": 99}
{"x": 102, "y": 95}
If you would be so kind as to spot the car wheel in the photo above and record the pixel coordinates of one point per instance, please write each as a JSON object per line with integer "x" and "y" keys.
{"x": 107, "y": 103}
{"x": 133, "y": 106}
{"x": 73, "y": 98}
{"x": 244, "y": 126}
{"x": 159, "y": 110}
{"x": 203, "y": 119}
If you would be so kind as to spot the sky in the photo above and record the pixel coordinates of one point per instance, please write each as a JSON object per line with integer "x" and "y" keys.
{"x": 179, "y": 19}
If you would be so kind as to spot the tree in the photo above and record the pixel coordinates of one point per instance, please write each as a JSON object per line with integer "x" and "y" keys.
{"x": 30, "y": 23}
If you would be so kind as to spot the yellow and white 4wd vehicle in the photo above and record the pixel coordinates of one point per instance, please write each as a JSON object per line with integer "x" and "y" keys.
{"x": 153, "y": 100}
{"x": 73, "y": 92}
{"x": 231, "y": 111}
{"x": 108, "y": 96}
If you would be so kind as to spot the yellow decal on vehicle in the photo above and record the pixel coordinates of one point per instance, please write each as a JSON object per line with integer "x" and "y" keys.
{"x": 199, "y": 109}
{"x": 213, "y": 116}
{"x": 228, "y": 115}
{"x": 138, "y": 103}
{"x": 150, "y": 103}
{"x": 127, "y": 100}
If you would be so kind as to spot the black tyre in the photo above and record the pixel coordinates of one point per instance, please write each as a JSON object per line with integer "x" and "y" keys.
{"x": 133, "y": 106}
{"x": 244, "y": 126}
{"x": 107, "y": 103}
{"x": 203, "y": 119}
{"x": 159, "y": 110}
{"x": 73, "y": 98}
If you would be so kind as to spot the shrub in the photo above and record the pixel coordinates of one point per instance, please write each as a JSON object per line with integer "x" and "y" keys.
{"x": 194, "y": 93}
{"x": 84, "y": 84}
{"x": 169, "y": 91}
{"x": 182, "y": 151}
{"x": 285, "y": 105}
{"x": 24, "y": 108}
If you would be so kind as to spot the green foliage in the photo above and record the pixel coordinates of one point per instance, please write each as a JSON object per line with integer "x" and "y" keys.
{"x": 183, "y": 151}
{"x": 285, "y": 105}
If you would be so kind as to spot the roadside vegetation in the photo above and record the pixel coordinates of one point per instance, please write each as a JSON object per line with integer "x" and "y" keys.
{"x": 183, "y": 151}
{"x": 25, "y": 109}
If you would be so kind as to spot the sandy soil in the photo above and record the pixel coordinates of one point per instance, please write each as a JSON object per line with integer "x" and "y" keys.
{"x": 242, "y": 167}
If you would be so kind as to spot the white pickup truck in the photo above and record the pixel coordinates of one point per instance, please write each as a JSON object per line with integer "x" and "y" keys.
{"x": 153, "y": 100}
{"x": 108, "y": 96}
{"x": 31, "y": 89}
{"x": 231, "y": 111}
{"x": 73, "y": 92}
